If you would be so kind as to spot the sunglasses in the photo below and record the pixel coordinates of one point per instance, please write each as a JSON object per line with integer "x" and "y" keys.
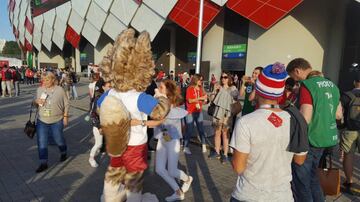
{"x": 224, "y": 77}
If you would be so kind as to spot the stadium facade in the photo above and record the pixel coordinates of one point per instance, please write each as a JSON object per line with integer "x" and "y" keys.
{"x": 238, "y": 35}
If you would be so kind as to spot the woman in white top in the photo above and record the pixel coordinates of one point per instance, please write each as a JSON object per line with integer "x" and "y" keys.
{"x": 168, "y": 147}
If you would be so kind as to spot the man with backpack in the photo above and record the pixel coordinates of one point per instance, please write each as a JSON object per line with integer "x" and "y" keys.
{"x": 74, "y": 79}
{"x": 350, "y": 139}
{"x": 17, "y": 79}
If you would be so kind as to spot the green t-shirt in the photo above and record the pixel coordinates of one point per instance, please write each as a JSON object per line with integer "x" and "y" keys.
{"x": 325, "y": 95}
{"x": 249, "y": 106}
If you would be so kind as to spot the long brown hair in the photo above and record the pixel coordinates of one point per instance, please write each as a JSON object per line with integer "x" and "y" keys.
{"x": 195, "y": 79}
{"x": 172, "y": 92}
{"x": 230, "y": 79}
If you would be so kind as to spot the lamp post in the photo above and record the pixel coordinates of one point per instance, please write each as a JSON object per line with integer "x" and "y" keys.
{"x": 199, "y": 40}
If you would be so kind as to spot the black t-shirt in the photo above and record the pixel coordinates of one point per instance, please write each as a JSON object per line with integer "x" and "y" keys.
{"x": 345, "y": 102}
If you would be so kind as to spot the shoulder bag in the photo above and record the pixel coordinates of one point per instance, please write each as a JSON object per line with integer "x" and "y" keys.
{"x": 30, "y": 126}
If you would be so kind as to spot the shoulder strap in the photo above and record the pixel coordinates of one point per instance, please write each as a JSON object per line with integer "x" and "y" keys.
{"x": 351, "y": 95}
{"x": 31, "y": 109}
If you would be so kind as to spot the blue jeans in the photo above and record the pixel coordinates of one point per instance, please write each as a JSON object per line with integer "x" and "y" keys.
{"x": 43, "y": 130}
{"x": 198, "y": 118}
{"x": 306, "y": 185}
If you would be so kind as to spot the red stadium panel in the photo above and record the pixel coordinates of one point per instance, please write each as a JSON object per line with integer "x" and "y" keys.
{"x": 186, "y": 14}
{"x": 72, "y": 37}
{"x": 28, "y": 45}
{"x": 265, "y": 13}
{"x": 28, "y": 25}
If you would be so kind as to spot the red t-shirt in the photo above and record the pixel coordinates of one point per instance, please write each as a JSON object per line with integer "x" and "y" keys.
{"x": 192, "y": 93}
{"x": 305, "y": 96}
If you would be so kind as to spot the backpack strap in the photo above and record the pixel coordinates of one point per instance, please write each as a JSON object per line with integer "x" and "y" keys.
{"x": 351, "y": 95}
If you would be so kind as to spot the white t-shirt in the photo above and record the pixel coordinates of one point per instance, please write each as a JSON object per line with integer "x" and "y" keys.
{"x": 267, "y": 175}
{"x": 138, "y": 134}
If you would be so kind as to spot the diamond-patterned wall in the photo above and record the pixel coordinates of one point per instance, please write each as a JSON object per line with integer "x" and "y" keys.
{"x": 89, "y": 18}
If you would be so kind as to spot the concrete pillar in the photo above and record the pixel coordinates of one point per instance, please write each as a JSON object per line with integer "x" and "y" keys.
{"x": 172, "y": 56}
{"x": 77, "y": 60}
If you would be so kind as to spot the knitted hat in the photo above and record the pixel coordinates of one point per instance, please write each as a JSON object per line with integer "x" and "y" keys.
{"x": 271, "y": 82}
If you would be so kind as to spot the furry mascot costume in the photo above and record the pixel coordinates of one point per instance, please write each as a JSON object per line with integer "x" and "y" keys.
{"x": 129, "y": 67}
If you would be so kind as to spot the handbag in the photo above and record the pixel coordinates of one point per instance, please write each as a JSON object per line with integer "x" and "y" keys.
{"x": 30, "y": 126}
{"x": 236, "y": 108}
{"x": 329, "y": 180}
{"x": 211, "y": 109}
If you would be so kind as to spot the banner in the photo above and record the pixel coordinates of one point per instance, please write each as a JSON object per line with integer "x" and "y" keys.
{"x": 41, "y": 6}
{"x": 30, "y": 60}
{"x": 72, "y": 37}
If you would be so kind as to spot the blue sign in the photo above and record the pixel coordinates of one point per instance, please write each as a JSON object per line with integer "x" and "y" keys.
{"x": 234, "y": 55}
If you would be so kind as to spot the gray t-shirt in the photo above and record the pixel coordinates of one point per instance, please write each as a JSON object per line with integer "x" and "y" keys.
{"x": 267, "y": 175}
{"x": 56, "y": 105}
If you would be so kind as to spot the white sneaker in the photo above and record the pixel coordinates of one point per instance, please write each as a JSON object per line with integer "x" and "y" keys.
{"x": 186, "y": 186}
{"x": 204, "y": 148}
{"x": 93, "y": 163}
{"x": 187, "y": 150}
{"x": 175, "y": 197}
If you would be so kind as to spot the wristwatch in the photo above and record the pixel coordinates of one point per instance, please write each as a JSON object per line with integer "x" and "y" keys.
{"x": 143, "y": 123}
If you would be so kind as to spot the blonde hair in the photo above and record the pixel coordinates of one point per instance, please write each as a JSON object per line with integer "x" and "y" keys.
{"x": 49, "y": 76}
{"x": 129, "y": 64}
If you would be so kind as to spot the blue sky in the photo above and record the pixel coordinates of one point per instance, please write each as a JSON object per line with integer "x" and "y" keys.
{"x": 5, "y": 27}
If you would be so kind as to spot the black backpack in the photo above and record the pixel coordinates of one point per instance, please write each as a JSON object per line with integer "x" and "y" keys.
{"x": 74, "y": 77}
{"x": 8, "y": 75}
{"x": 353, "y": 115}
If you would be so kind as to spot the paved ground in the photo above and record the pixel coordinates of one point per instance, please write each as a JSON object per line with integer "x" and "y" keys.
{"x": 74, "y": 179}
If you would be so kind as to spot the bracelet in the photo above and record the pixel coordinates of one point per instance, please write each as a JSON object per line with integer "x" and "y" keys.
{"x": 66, "y": 116}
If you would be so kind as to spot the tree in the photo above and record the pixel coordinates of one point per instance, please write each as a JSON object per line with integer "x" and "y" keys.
{"x": 11, "y": 48}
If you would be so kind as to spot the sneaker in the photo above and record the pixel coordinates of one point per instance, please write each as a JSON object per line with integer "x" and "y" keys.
{"x": 41, "y": 168}
{"x": 186, "y": 186}
{"x": 225, "y": 160}
{"x": 175, "y": 197}
{"x": 204, "y": 150}
{"x": 93, "y": 163}
{"x": 187, "y": 150}
{"x": 63, "y": 157}
{"x": 214, "y": 155}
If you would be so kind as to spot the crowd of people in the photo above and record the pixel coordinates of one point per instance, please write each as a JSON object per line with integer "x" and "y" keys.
{"x": 12, "y": 77}
{"x": 269, "y": 164}
{"x": 289, "y": 117}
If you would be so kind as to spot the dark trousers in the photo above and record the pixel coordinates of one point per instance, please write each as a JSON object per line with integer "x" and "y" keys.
{"x": 306, "y": 185}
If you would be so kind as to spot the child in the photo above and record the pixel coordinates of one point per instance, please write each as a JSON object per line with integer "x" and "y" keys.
{"x": 100, "y": 88}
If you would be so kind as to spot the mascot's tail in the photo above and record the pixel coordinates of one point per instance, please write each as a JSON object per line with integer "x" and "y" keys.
{"x": 115, "y": 123}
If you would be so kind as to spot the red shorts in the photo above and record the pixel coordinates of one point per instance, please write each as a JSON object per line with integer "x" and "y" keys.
{"x": 134, "y": 159}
